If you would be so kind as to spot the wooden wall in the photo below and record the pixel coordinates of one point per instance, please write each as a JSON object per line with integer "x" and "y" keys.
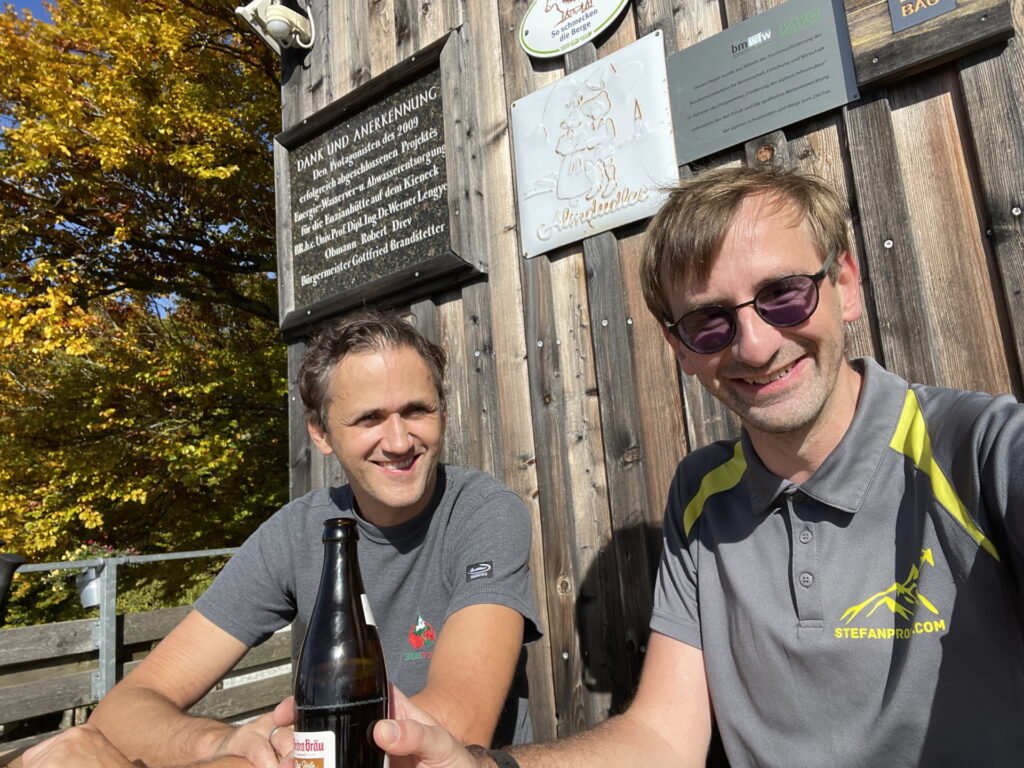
{"x": 560, "y": 382}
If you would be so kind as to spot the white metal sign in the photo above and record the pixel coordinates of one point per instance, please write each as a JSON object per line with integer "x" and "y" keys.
{"x": 594, "y": 150}
{"x": 553, "y": 27}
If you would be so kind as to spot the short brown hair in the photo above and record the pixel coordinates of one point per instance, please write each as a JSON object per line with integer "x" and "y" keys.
{"x": 364, "y": 331}
{"x": 685, "y": 236}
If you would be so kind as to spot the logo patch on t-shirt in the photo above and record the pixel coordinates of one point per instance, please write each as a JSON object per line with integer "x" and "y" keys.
{"x": 480, "y": 571}
{"x": 422, "y": 638}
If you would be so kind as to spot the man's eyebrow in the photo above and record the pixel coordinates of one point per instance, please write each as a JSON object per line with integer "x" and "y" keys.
{"x": 424, "y": 405}
{"x": 411, "y": 405}
{"x": 765, "y": 281}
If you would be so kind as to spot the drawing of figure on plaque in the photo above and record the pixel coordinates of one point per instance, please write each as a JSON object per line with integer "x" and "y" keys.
{"x": 588, "y": 156}
{"x": 594, "y": 150}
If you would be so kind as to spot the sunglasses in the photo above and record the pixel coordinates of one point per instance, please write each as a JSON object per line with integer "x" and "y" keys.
{"x": 783, "y": 303}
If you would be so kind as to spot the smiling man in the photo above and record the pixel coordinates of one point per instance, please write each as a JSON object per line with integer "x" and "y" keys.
{"x": 443, "y": 550}
{"x": 841, "y": 584}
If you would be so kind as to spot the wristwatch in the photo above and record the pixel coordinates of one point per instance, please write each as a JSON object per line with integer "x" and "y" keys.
{"x": 501, "y": 759}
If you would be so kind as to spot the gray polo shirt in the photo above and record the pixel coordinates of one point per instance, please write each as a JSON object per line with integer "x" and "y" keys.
{"x": 470, "y": 546}
{"x": 870, "y": 616}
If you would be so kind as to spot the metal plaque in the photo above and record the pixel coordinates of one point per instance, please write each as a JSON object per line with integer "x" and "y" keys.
{"x": 907, "y": 13}
{"x": 369, "y": 195}
{"x": 772, "y": 70}
{"x": 594, "y": 150}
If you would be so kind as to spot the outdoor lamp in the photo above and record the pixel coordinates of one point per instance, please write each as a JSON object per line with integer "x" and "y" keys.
{"x": 280, "y": 27}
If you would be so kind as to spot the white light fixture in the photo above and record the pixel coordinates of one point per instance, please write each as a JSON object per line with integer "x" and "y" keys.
{"x": 280, "y": 27}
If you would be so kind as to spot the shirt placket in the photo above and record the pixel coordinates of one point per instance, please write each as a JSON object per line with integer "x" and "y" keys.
{"x": 804, "y": 564}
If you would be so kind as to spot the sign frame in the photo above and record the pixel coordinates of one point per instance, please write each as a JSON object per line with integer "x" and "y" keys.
{"x": 426, "y": 276}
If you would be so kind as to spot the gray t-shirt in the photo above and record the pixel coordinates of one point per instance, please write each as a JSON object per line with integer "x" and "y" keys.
{"x": 470, "y": 546}
{"x": 871, "y": 615}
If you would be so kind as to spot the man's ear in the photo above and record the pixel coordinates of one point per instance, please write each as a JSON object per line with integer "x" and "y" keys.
{"x": 319, "y": 438}
{"x": 848, "y": 284}
{"x": 680, "y": 350}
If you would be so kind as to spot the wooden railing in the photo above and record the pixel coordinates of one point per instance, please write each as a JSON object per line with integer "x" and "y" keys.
{"x": 64, "y": 668}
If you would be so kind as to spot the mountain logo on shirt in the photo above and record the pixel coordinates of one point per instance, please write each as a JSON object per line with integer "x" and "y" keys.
{"x": 902, "y": 599}
{"x": 421, "y": 637}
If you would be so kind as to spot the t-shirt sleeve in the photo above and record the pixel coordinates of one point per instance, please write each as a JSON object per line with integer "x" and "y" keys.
{"x": 676, "y": 610}
{"x": 251, "y": 598}
{"x": 487, "y": 554}
{"x": 977, "y": 441}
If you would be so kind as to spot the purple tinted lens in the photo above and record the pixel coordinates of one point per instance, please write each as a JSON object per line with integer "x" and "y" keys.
{"x": 787, "y": 302}
{"x": 707, "y": 330}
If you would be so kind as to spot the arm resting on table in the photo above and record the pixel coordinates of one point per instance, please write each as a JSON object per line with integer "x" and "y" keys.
{"x": 145, "y": 715}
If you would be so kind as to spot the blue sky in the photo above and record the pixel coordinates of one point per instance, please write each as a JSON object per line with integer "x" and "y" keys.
{"x": 36, "y": 6}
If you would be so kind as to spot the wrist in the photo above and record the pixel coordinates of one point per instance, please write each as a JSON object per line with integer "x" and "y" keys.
{"x": 212, "y": 740}
{"x": 491, "y": 758}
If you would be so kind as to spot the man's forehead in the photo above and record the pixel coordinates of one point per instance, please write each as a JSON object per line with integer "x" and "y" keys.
{"x": 756, "y": 224}
{"x": 390, "y": 377}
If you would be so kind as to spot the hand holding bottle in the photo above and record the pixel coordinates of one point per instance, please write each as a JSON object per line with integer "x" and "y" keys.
{"x": 414, "y": 739}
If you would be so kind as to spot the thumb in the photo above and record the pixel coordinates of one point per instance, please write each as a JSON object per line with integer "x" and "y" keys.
{"x": 431, "y": 744}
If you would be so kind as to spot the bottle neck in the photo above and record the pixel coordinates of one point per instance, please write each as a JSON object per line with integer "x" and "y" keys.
{"x": 341, "y": 571}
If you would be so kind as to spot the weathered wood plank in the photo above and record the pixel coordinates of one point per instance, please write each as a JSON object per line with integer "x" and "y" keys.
{"x": 992, "y": 87}
{"x": 549, "y": 427}
{"x": 630, "y": 587}
{"x": 230, "y": 703}
{"x": 276, "y": 650}
{"x": 359, "y": 59}
{"x": 585, "y": 484}
{"x": 40, "y": 697}
{"x": 945, "y": 226}
{"x": 521, "y": 314}
{"x": 891, "y": 264}
{"x": 693, "y": 21}
{"x": 383, "y": 39}
{"x": 484, "y": 437}
{"x": 300, "y": 447}
{"x": 285, "y": 264}
{"x": 651, "y": 15}
{"x": 451, "y": 336}
{"x": 23, "y": 645}
{"x": 151, "y": 625}
{"x": 656, "y": 376}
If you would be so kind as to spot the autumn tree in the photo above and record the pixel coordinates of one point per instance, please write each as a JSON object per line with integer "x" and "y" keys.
{"x": 137, "y": 151}
{"x": 142, "y": 381}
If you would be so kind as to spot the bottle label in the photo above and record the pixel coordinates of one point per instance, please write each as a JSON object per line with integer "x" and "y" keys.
{"x": 314, "y": 749}
{"x": 367, "y": 612}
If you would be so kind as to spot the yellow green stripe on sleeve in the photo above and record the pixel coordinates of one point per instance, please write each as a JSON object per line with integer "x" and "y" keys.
{"x": 721, "y": 478}
{"x": 911, "y": 439}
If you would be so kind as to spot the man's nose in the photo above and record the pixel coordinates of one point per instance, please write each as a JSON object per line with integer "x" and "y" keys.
{"x": 756, "y": 341}
{"x": 396, "y": 436}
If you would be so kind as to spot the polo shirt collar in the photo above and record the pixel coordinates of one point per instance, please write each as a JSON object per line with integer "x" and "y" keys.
{"x": 843, "y": 479}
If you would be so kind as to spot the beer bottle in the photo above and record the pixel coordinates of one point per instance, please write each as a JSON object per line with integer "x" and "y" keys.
{"x": 340, "y": 679}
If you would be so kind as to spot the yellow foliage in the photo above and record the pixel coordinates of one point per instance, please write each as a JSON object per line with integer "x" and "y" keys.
{"x": 136, "y": 165}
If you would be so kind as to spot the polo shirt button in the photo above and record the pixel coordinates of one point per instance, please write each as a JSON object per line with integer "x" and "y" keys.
{"x": 806, "y": 579}
{"x": 805, "y": 536}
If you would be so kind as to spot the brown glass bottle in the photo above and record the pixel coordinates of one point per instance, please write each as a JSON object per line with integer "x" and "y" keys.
{"x": 340, "y": 679}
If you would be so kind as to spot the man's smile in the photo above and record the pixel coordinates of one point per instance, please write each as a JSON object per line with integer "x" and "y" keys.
{"x": 396, "y": 465}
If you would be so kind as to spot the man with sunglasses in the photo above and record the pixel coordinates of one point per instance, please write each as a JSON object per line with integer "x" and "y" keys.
{"x": 839, "y": 585}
